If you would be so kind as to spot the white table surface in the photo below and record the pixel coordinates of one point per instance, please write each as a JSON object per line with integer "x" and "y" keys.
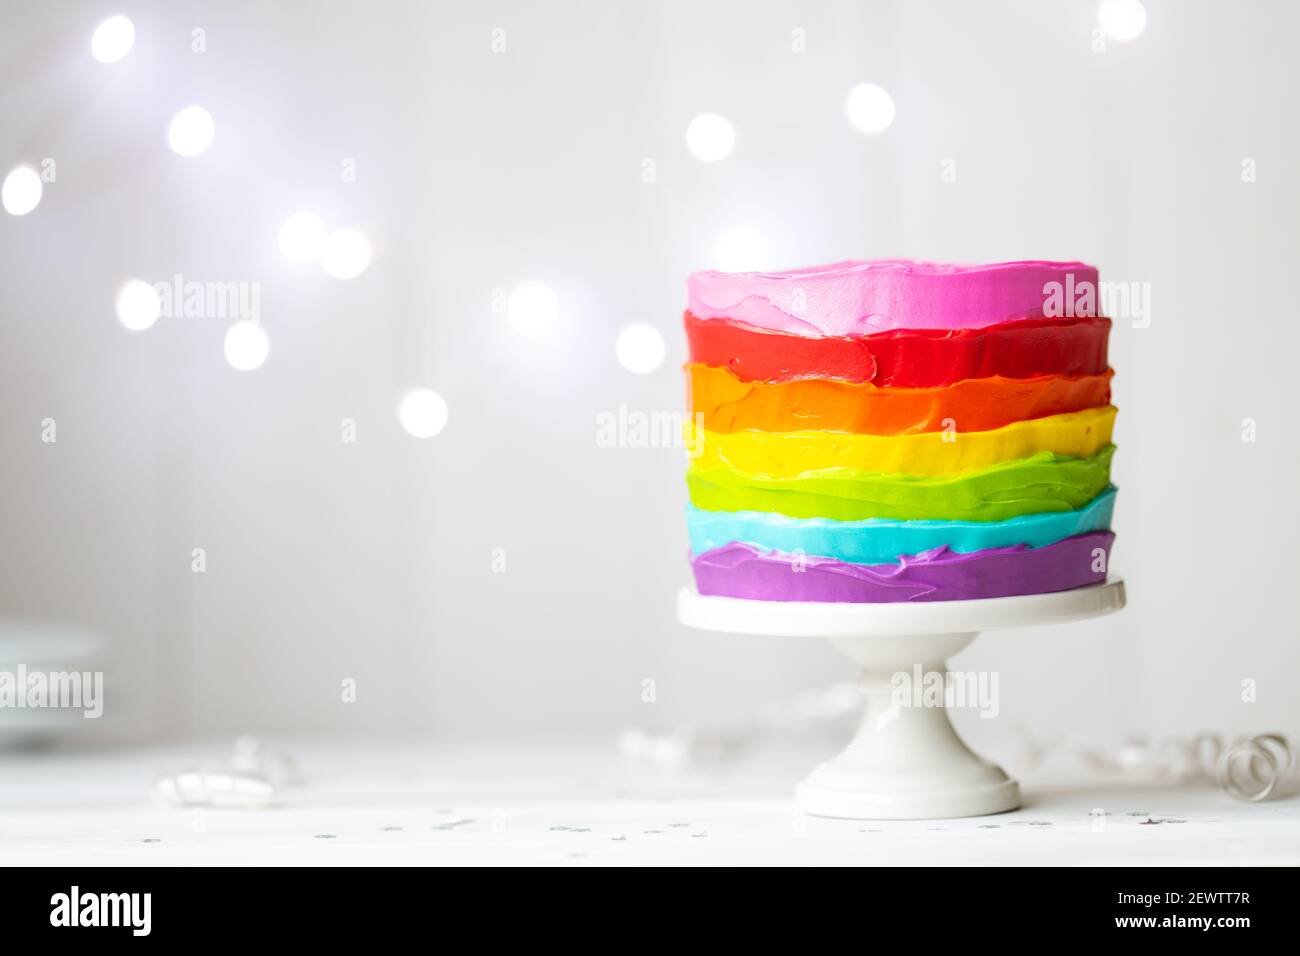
{"x": 543, "y": 804}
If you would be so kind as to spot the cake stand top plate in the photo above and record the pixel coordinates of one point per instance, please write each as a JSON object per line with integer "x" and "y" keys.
{"x": 816, "y": 619}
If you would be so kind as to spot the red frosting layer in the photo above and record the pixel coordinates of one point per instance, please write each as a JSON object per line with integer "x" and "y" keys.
{"x": 916, "y": 358}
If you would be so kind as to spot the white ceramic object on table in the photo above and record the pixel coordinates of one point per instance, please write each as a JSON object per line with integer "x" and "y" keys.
{"x": 904, "y": 762}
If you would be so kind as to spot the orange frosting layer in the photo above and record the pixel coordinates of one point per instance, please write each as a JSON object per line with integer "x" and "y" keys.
{"x": 970, "y": 405}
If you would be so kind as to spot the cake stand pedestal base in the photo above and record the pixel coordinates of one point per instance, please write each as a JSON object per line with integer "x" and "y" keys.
{"x": 905, "y": 762}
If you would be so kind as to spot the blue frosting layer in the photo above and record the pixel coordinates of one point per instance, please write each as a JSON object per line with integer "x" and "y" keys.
{"x": 882, "y": 540}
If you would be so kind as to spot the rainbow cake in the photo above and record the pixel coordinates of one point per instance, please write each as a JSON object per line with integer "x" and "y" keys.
{"x": 899, "y": 431}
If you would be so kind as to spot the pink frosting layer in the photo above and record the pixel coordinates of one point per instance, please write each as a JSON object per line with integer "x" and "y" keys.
{"x": 856, "y": 298}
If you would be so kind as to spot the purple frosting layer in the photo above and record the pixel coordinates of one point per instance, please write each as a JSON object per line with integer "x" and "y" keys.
{"x": 742, "y": 571}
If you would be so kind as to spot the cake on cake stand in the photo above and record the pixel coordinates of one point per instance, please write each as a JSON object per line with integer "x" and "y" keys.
{"x": 904, "y": 762}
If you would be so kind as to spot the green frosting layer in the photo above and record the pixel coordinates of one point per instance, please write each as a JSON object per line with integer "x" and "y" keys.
{"x": 1043, "y": 482}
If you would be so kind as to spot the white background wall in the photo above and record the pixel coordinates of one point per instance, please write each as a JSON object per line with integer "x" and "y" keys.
{"x": 477, "y": 171}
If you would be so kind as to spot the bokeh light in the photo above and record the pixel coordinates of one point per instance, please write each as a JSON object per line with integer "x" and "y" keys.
{"x": 112, "y": 39}
{"x": 640, "y": 348}
{"x": 710, "y": 137}
{"x": 191, "y": 131}
{"x": 870, "y": 108}
{"x": 345, "y": 254}
{"x": 246, "y": 345}
{"x": 1123, "y": 20}
{"x": 21, "y": 191}
{"x": 423, "y": 413}
{"x": 138, "y": 305}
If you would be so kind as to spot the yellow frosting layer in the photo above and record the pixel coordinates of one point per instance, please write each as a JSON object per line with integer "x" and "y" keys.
{"x": 1043, "y": 482}
{"x": 799, "y": 454}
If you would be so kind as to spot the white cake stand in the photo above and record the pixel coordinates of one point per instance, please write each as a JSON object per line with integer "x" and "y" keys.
{"x": 905, "y": 762}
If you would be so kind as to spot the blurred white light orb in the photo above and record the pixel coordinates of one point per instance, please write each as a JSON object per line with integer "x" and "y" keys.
{"x": 740, "y": 250}
{"x": 21, "y": 191}
{"x": 247, "y": 345}
{"x": 302, "y": 237}
{"x": 1123, "y": 20}
{"x": 138, "y": 305}
{"x": 710, "y": 137}
{"x": 191, "y": 131}
{"x": 640, "y": 348}
{"x": 423, "y": 413}
{"x": 345, "y": 254}
{"x": 112, "y": 39}
{"x": 532, "y": 309}
{"x": 870, "y": 108}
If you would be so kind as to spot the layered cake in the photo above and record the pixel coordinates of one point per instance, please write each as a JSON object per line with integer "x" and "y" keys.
{"x": 899, "y": 431}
